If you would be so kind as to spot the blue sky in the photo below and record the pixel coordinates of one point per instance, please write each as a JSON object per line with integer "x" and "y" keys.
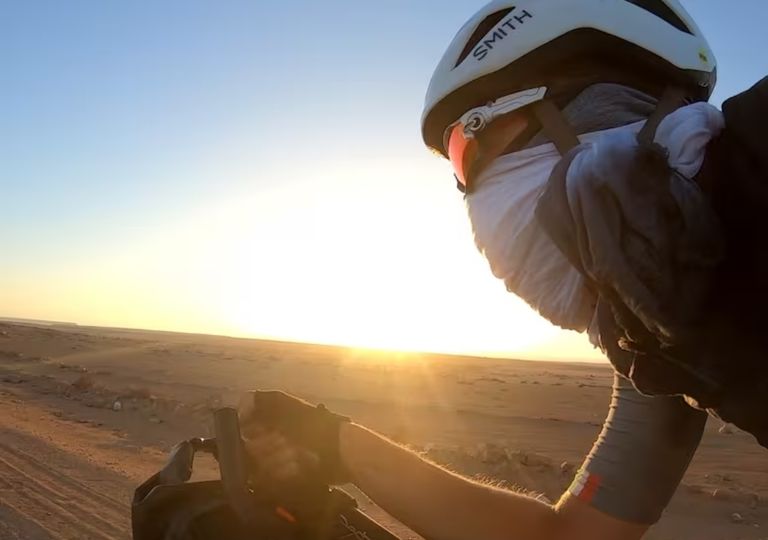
{"x": 134, "y": 128}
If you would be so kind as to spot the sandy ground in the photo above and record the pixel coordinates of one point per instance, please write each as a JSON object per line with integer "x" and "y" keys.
{"x": 69, "y": 462}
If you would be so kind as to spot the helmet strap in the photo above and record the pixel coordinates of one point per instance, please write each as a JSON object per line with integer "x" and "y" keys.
{"x": 562, "y": 134}
{"x": 552, "y": 122}
{"x": 507, "y": 129}
{"x": 555, "y": 125}
{"x": 672, "y": 99}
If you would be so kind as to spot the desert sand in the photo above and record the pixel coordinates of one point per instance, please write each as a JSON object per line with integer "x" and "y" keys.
{"x": 69, "y": 461}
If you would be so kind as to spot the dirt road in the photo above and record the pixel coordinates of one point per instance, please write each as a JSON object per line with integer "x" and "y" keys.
{"x": 47, "y": 490}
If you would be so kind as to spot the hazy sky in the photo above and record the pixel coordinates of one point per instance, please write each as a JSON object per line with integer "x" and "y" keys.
{"x": 255, "y": 168}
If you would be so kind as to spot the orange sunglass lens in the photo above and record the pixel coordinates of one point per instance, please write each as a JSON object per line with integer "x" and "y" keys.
{"x": 461, "y": 152}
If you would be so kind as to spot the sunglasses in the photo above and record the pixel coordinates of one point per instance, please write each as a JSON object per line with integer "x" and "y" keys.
{"x": 460, "y": 139}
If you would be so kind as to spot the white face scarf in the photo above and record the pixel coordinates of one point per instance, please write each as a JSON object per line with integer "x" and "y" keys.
{"x": 501, "y": 208}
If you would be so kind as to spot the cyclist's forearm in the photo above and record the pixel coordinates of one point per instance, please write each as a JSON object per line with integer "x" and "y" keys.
{"x": 436, "y": 503}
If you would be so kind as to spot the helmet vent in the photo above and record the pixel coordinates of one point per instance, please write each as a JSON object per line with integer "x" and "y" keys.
{"x": 482, "y": 29}
{"x": 663, "y": 11}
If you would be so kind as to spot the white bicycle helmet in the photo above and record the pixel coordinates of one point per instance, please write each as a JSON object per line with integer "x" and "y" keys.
{"x": 516, "y": 45}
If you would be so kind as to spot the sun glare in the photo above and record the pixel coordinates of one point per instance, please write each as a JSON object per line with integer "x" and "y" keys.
{"x": 373, "y": 265}
{"x": 366, "y": 270}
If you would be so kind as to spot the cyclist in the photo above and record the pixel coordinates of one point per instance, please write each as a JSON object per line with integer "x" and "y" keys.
{"x": 521, "y": 85}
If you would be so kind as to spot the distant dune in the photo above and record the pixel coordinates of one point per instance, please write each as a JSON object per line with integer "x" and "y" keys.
{"x": 36, "y": 322}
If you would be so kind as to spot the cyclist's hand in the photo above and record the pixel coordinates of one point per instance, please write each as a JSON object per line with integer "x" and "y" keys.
{"x": 275, "y": 418}
{"x": 275, "y": 459}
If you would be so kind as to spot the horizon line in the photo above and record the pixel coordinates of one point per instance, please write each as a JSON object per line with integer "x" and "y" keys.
{"x": 499, "y": 355}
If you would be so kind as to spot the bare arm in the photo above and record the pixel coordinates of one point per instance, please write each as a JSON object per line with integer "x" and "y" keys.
{"x": 443, "y": 506}
{"x": 627, "y": 480}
